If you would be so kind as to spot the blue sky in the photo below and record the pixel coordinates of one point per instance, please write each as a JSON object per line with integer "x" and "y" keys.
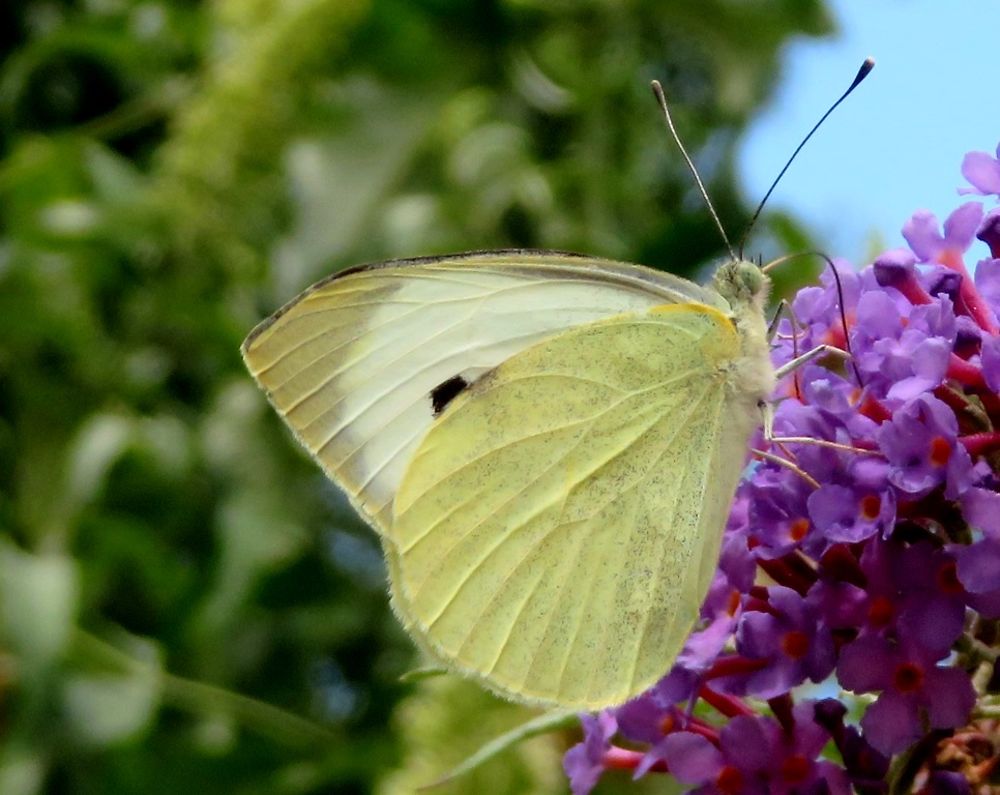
{"x": 897, "y": 144}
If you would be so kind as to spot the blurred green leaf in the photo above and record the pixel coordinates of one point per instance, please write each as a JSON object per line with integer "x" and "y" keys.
{"x": 22, "y": 770}
{"x": 103, "y": 710}
{"x": 38, "y": 604}
{"x": 172, "y": 172}
{"x": 451, "y": 721}
{"x": 543, "y": 724}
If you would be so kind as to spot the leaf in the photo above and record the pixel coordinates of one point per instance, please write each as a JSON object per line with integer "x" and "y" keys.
{"x": 98, "y": 444}
{"x": 22, "y": 770}
{"x": 424, "y": 672}
{"x": 105, "y": 708}
{"x": 543, "y": 724}
{"x": 38, "y": 601}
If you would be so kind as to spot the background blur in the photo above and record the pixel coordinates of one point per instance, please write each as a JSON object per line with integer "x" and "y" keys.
{"x": 898, "y": 144}
{"x": 186, "y": 605}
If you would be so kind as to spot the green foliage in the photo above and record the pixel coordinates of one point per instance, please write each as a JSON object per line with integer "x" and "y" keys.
{"x": 447, "y": 722}
{"x": 185, "y": 603}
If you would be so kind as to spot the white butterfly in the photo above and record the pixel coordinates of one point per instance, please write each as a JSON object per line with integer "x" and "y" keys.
{"x": 547, "y": 444}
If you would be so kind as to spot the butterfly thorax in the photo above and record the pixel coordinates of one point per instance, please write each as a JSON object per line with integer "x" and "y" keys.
{"x": 746, "y": 288}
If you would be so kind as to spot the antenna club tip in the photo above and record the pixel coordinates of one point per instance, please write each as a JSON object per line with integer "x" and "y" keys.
{"x": 863, "y": 72}
{"x": 657, "y": 87}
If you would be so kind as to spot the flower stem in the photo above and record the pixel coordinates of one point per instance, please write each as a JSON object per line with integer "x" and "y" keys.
{"x": 199, "y": 697}
{"x": 906, "y": 766}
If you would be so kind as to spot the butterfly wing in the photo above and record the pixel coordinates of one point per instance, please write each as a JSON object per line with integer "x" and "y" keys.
{"x": 359, "y": 365}
{"x": 559, "y": 525}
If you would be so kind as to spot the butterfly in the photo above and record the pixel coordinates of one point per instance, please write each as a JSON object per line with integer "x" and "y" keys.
{"x": 546, "y": 444}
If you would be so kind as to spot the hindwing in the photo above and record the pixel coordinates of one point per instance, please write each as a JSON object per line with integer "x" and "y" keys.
{"x": 557, "y": 528}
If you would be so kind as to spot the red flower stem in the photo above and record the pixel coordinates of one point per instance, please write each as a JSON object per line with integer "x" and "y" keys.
{"x": 874, "y": 410}
{"x": 835, "y": 335}
{"x": 734, "y": 664}
{"x": 980, "y": 443}
{"x": 783, "y": 574}
{"x": 842, "y": 564}
{"x": 781, "y": 706}
{"x": 959, "y": 404}
{"x": 759, "y": 605}
{"x": 974, "y": 302}
{"x": 954, "y": 400}
{"x": 912, "y": 290}
{"x": 803, "y": 565}
{"x": 964, "y": 372}
{"x": 758, "y": 592}
{"x": 710, "y": 733}
{"x": 616, "y": 758}
{"x": 992, "y": 405}
{"x": 730, "y": 706}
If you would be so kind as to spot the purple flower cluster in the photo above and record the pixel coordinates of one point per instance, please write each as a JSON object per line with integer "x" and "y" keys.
{"x": 862, "y": 577}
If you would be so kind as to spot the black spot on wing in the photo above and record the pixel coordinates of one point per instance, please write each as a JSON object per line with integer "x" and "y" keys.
{"x": 445, "y": 392}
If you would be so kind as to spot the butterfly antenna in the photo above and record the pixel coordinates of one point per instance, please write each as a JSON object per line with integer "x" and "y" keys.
{"x": 863, "y": 72}
{"x": 843, "y": 322}
{"x": 662, "y": 100}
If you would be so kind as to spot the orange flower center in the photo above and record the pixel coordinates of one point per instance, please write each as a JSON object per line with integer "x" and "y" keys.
{"x": 880, "y": 611}
{"x": 871, "y": 506}
{"x": 798, "y": 529}
{"x": 940, "y": 451}
{"x": 947, "y": 579}
{"x": 730, "y": 780}
{"x": 908, "y": 677}
{"x": 795, "y": 644}
{"x": 951, "y": 256}
{"x": 733, "y": 603}
{"x": 795, "y": 769}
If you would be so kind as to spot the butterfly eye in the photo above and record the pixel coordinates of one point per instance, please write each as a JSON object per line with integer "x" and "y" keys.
{"x": 741, "y": 282}
{"x": 751, "y": 278}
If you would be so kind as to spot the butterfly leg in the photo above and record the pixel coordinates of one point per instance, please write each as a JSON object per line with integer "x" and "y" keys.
{"x": 783, "y": 308}
{"x": 767, "y": 409}
{"x": 809, "y": 356}
{"x": 787, "y": 464}
{"x": 767, "y": 412}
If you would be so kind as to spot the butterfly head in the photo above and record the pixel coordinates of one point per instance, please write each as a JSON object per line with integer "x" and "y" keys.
{"x": 743, "y": 284}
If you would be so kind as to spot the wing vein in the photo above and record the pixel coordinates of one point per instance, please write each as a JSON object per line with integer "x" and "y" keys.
{"x": 668, "y": 443}
{"x": 601, "y": 413}
{"x": 592, "y": 419}
{"x": 704, "y": 480}
{"x": 506, "y": 538}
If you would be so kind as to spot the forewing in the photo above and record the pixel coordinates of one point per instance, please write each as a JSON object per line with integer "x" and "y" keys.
{"x": 558, "y": 527}
{"x": 359, "y": 365}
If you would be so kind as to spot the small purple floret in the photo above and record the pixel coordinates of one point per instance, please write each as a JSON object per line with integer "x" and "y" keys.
{"x": 982, "y": 170}
{"x": 862, "y": 550}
